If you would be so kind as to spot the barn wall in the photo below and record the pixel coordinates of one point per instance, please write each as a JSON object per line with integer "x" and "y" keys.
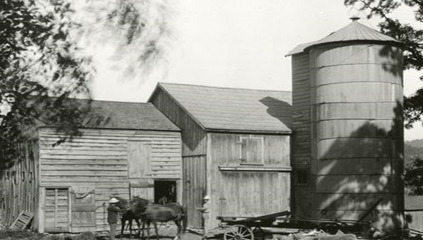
{"x": 193, "y": 136}
{"x": 98, "y": 165}
{"x": 301, "y": 138}
{"x": 193, "y": 153}
{"x": 19, "y": 182}
{"x": 249, "y": 187}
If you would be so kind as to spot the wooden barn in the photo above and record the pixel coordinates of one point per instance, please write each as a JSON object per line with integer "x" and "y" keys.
{"x": 236, "y": 148}
{"x": 137, "y": 151}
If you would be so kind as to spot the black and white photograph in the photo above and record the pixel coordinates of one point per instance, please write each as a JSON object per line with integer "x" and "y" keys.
{"x": 211, "y": 119}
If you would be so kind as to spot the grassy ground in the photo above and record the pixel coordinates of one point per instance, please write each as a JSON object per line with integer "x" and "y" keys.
{"x": 166, "y": 233}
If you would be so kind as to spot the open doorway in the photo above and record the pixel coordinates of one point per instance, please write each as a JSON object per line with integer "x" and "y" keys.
{"x": 164, "y": 191}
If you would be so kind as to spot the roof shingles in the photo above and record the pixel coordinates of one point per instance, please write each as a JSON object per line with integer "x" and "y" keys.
{"x": 234, "y": 109}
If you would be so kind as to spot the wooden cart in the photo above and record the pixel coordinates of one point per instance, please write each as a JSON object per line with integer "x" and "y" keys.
{"x": 239, "y": 228}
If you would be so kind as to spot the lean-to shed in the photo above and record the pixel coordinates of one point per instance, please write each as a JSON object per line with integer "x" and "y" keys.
{"x": 236, "y": 148}
{"x": 137, "y": 151}
{"x": 347, "y": 114}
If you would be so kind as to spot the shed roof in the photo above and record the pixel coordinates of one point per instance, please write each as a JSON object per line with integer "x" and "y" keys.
{"x": 353, "y": 32}
{"x": 234, "y": 109}
{"x": 126, "y": 115}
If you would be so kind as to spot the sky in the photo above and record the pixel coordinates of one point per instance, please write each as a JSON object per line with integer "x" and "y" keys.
{"x": 233, "y": 43}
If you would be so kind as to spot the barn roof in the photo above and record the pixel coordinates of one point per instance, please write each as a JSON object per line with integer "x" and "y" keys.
{"x": 131, "y": 115}
{"x": 125, "y": 115}
{"x": 234, "y": 109}
{"x": 353, "y": 32}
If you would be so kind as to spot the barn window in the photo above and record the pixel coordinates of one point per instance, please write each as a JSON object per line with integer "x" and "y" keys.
{"x": 164, "y": 191}
{"x": 251, "y": 150}
{"x": 302, "y": 176}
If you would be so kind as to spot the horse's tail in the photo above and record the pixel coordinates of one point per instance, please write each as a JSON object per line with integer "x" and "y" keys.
{"x": 184, "y": 220}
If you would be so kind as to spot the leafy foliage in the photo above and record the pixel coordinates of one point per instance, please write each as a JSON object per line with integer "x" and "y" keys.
{"x": 139, "y": 30}
{"x": 413, "y": 179}
{"x": 43, "y": 64}
{"x": 39, "y": 60}
{"x": 411, "y": 36}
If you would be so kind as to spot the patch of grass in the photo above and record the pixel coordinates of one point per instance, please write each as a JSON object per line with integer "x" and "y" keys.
{"x": 85, "y": 236}
{"x": 9, "y": 234}
{"x": 28, "y": 235}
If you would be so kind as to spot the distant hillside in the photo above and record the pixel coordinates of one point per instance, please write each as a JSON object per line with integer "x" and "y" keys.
{"x": 413, "y": 149}
{"x": 418, "y": 143}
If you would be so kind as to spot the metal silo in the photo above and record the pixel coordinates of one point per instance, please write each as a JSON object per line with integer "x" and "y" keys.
{"x": 354, "y": 91}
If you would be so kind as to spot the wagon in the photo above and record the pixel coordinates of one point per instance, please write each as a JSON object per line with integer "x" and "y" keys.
{"x": 250, "y": 228}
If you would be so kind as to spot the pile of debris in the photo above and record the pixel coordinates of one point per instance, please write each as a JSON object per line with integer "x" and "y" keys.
{"x": 317, "y": 235}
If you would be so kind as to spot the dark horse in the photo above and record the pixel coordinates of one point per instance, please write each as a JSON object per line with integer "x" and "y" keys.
{"x": 129, "y": 215}
{"x": 153, "y": 213}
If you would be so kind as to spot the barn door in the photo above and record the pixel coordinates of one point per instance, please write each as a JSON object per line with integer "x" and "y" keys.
{"x": 56, "y": 210}
{"x": 194, "y": 188}
{"x": 83, "y": 212}
{"x": 139, "y": 170}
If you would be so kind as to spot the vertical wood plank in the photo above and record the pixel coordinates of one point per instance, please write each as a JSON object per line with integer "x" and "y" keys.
{"x": 56, "y": 206}
{"x": 41, "y": 207}
{"x": 139, "y": 160}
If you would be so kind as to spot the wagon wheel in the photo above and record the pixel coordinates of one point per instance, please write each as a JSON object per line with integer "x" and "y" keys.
{"x": 258, "y": 233}
{"x": 238, "y": 232}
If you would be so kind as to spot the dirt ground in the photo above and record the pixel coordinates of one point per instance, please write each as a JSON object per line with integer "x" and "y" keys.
{"x": 166, "y": 232}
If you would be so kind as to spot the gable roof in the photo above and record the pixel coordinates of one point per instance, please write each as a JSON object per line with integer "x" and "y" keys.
{"x": 131, "y": 115}
{"x": 233, "y": 109}
{"x": 124, "y": 115}
{"x": 353, "y": 32}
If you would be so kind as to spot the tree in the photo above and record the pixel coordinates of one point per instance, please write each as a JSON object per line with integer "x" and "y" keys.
{"x": 42, "y": 64}
{"x": 413, "y": 178}
{"x": 411, "y": 36}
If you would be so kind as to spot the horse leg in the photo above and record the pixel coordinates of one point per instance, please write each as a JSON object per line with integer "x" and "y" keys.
{"x": 148, "y": 229}
{"x": 157, "y": 232}
{"x": 138, "y": 224}
{"x": 122, "y": 221}
{"x": 179, "y": 227}
{"x": 130, "y": 228}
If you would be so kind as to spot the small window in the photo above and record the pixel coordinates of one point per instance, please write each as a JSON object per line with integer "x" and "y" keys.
{"x": 302, "y": 176}
{"x": 164, "y": 191}
{"x": 251, "y": 150}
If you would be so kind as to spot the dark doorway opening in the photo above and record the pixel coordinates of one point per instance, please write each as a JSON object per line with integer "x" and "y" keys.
{"x": 164, "y": 191}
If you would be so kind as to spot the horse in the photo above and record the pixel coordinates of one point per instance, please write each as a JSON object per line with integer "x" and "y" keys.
{"x": 128, "y": 216}
{"x": 153, "y": 213}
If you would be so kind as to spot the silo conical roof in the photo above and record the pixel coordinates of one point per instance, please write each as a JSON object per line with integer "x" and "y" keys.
{"x": 353, "y": 32}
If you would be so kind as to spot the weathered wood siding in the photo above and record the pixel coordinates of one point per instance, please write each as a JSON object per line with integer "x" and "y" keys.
{"x": 97, "y": 162}
{"x": 194, "y": 187}
{"x": 357, "y": 130}
{"x": 193, "y": 153}
{"x": 301, "y": 138}
{"x": 193, "y": 136}
{"x": 263, "y": 188}
{"x": 19, "y": 181}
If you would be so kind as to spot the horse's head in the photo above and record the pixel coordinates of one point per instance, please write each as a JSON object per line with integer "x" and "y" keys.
{"x": 123, "y": 203}
{"x": 138, "y": 205}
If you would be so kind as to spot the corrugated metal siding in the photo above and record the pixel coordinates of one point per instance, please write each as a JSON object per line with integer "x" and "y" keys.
{"x": 357, "y": 151}
{"x": 99, "y": 158}
{"x": 301, "y": 139}
{"x": 248, "y": 193}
